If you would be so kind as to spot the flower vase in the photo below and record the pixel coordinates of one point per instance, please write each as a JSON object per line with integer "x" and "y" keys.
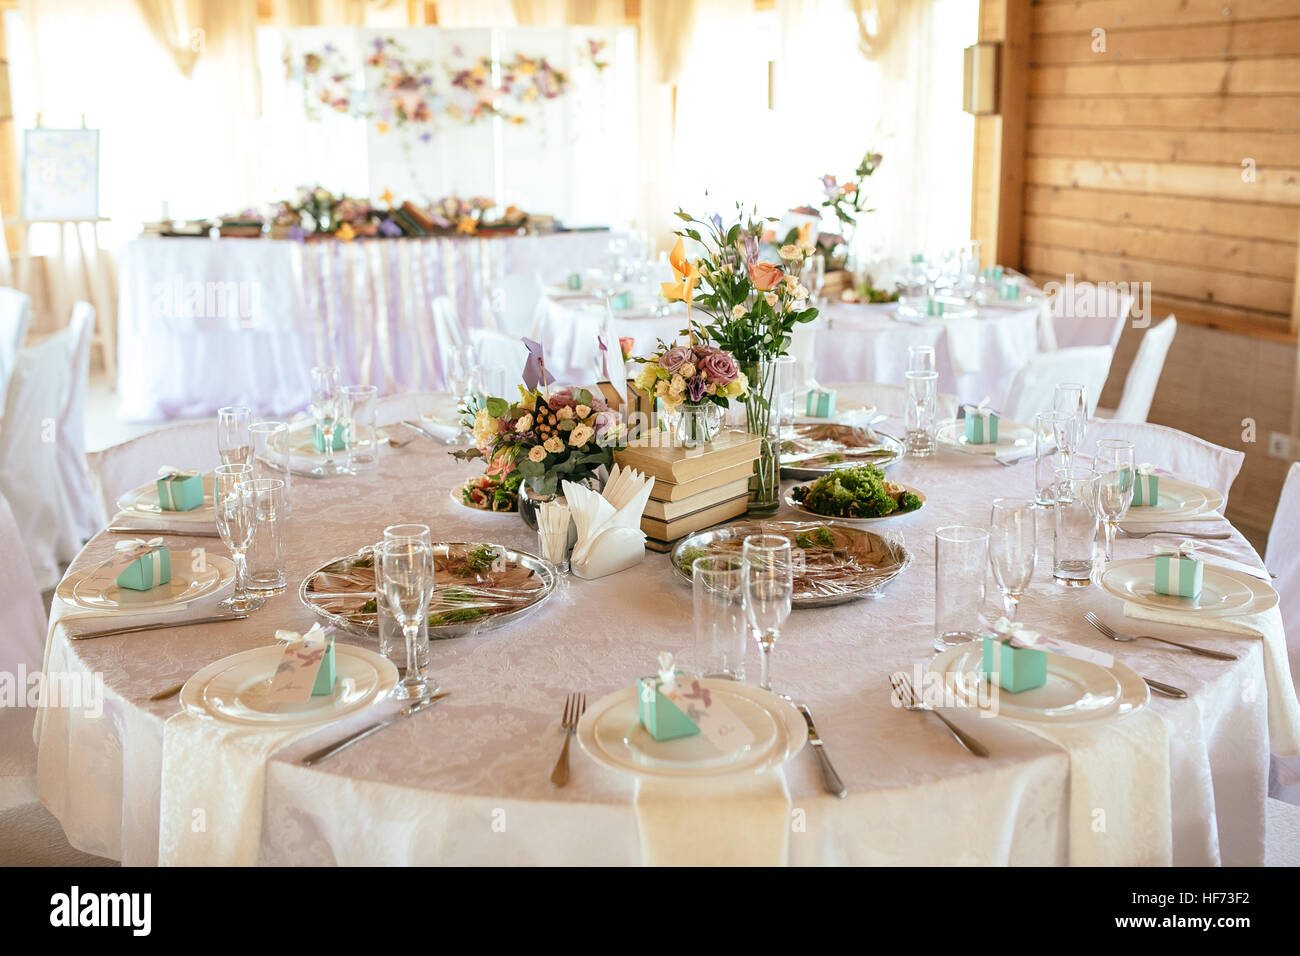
{"x": 761, "y": 421}
{"x": 695, "y": 425}
{"x": 531, "y": 498}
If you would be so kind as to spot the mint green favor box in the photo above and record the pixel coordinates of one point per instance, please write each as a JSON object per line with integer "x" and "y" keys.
{"x": 621, "y": 302}
{"x": 318, "y": 442}
{"x": 139, "y": 574}
{"x": 575, "y": 281}
{"x": 180, "y": 494}
{"x": 1146, "y": 491}
{"x": 324, "y": 685}
{"x": 981, "y": 429}
{"x": 933, "y": 307}
{"x": 1179, "y": 576}
{"x": 994, "y": 273}
{"x": 1018, "y": 668}
{"x": 820, "y": 403}
{"x": 658, "y": 714}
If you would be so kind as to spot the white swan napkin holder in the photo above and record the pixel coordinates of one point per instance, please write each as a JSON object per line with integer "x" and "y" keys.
{"x": 608, "y": 523}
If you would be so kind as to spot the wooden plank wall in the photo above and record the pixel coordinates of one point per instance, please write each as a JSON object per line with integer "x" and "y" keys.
{"x": 1133, "y": 171}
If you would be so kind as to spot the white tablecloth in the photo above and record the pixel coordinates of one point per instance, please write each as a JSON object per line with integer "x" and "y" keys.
{"x": 205, "y": 323}
{"x": 467, "y": 781}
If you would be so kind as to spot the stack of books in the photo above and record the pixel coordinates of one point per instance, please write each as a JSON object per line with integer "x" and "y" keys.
{"x": 695, "y": 488}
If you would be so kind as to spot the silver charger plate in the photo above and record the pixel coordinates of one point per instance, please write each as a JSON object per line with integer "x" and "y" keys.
{"x": 367, "y": 624}
{"x": 819, "y": 583}
{"x": 810, "y": 464}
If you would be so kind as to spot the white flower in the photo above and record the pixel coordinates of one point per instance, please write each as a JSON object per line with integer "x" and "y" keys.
{"x": 554, "y": 444}
{"x": 565, "y": 412}
{"x": 770, "y": 298}
{"x": 536, "y": 453}
{"x": 739, "y": 312}
{"x": 807, "y": 246}
{"x": 687, "y": 370}
{"x": 678, "y": 385}
{"x": 583, "y": 411}
{"x": 800, "y": 292}
{"x": 581, "y": 435}
{"x": 524, "y": 424}
{"x": 485, "y": 428}
{"x": 791, "y": 283}
{"x": 790, "y": 252}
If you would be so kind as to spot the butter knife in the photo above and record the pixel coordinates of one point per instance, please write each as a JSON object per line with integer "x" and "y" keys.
{"x": 316, "y": 756}
{"x": 830, "y": 779}
{"x": 155, "y": 626}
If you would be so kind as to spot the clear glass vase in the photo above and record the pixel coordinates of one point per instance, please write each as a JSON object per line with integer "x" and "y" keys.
{"x": 761, "y": 420}
{"x": 695, "y": 425}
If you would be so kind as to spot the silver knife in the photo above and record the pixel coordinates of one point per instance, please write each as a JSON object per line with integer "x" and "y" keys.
{"x": 830, "y": 779}
{"x": 316, "y": 756}
{"x": 155, "y": 626}
{"x": 197, "y": 533}
{"x": 419, "y": 429}
{"x": 1169, "y": 690}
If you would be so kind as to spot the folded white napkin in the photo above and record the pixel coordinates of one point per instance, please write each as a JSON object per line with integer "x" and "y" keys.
{"x": 728, "y": 821}
{"x": 1283, "y": 708}
{"x": 964, "y": 345}
{"x": 1135, "y": 517}
{"x": 608, "y": 524}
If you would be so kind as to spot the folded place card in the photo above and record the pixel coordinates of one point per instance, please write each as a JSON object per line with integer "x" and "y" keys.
{"x": 1146, "y": 487}
{"x": 179, "y": 490}
{"x": 1178, "y": 574}
{"x": 672, "y": 704}
{"x": 820, "y": 403}
{"x": 318, "y": 440}
{"x": 306, "y": 668}
{"x": 142, "y": 565}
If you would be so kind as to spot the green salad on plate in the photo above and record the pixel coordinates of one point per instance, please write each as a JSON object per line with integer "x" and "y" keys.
{"x": 858, "y": 492}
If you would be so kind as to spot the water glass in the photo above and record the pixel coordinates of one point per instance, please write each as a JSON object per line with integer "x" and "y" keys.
{"x": 270, "y": 456}
{"x": 406, "y": 579}
{"x": 460, "y": 369}
{"x": 1013, "y": 549}
{"x": 785, "y": 389}
{"x": 1049, "y": 430}
{"x": 1075, "y": 524}
{"x": 718, "y": 585}
{"x": 1114, "y": 465}
{"x": 919, "y": 420}
{"x": 961, "y": 557}
{"x": 265, "y": 560}
{"x": 325, "y": 409}
{"x": 234, "y": 516}
{"x": 769, "y": 589}
{"x": 920, "y": 358}
{"x": 1072, "y": 398}
{"x": 232, "y": 434}
{"x": 361, "y": 426}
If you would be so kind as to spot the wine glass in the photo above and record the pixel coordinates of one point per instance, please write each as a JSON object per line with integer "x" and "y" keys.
{"x": 1013, "y": 549}
{"x": 1114, "y": 465}
{"x": 232, "y": 434}
{"x": 325, "y": 401}
{"x": 234, "y": 510}
{"x": 406, "y": 570}
{"x": 1071, "y": 398}
{"x": 768, "y": 591}
{"x": 814, "y": 276}
{"x": 460, "y": 370}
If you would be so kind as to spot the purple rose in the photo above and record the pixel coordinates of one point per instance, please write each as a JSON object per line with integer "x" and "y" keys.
{"x": 720, "y": 367}
{"x": 675, "y": 358}
{"x": 695, "y": 388}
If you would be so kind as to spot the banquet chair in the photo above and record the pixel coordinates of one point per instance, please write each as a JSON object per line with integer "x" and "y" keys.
{"x": 1190, "y": 458}
{"x": 889, "y": 399}
{"x": 1033, "y": 387}
{"x": 513, "y": 306}
{"x": 42, "y": 465}
{"x": 1144, "y": 373}
{"x": 22, "y": 645}
{"x": 130, "y": 464}
{"x": 15, "y": 317}
{"x": 1282, "y": 558}
{"x": 1071, "y": 331}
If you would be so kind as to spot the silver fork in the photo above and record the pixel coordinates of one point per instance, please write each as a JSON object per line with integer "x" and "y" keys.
{"x": 1204, "y": 536}
{"x": 1115, "y": 635}
{"x": 574, "y": 706}
{"x": 902, "y": 685}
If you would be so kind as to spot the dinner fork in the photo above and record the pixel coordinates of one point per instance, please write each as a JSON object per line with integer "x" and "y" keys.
{"x": 902, "y": 685}
{"x": 574, "y": 706}
{"x": 1115, "y": 635}
{"x": 1204, "y": 536}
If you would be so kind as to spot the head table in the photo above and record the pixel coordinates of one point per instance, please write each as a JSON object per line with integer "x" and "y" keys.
{"x": 467, "y": 781}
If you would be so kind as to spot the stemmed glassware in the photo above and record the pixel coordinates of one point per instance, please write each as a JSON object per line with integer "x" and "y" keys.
{"x": 813, "y": 276}
{"x": 232, "y": 434}
{"x": 325, "y": 408}
{"x": 1013, "y": 549}
{"x": 769, "y": 588}
{"x": 406, "y": 573}
{"x": 1114, "y": 466}
{"x": 234, "y": 510}
{"x": 1072, "y": 399}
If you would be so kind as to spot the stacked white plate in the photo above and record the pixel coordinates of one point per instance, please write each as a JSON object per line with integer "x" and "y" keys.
{"x": 142, "y": 502}
{"x": 1013, "y": 439}
{"x": 93, "y": 589}
{"x": 611, "y": 734}
{"x": 1176, "y": 501}
{"x": 1225, "y": 592}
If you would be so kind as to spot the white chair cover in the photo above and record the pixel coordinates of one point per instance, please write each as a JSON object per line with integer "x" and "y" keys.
{"x": 123, "y": 467}
{"x": 514, "y": 302}
{"x": 1102, "y": 328}
{"x": 15, "y": 317}
{"x": 1034, "y": 385}
{"x": 22, "y": 646}
{"x": 42, "y": 465}
{"x": 1282, "y": 557}
{"x": 1144, "y": 374}
{"x": 890, "y": 399}
{"x": 1189, "y": 457}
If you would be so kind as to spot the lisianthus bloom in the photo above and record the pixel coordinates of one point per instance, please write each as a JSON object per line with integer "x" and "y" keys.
{"x": 581, "y": 435}
{"x": 765, "y": 275}
{"x": 536, "y": 453}
{"x": 770, "y": 298}
{"x": 485, "y": 428}
{"x": 561, "y": 398}
{"x": 739, "y": 312}
{"x": 696, "y": 388}
{"x": 525, "y": 423}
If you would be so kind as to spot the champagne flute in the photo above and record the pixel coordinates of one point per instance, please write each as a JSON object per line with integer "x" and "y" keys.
{"x": 325, "y": 409}
{"x": 1115, "y": 469}
{"x": 234, "y": 511}
{"x": 232, "y": 434}
{"x": 814, "y": 276}
{"x": 1013, "y": 549}
{"x": 406, "y": 570}
{"x": 769, "y": 588}
{"x": 1071, "y": 398}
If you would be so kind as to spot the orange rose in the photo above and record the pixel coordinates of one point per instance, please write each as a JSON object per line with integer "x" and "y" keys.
{"x": 765, "y": 276}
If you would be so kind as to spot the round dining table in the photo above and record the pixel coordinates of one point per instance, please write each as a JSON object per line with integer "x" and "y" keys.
{"x": 467, "y": 781}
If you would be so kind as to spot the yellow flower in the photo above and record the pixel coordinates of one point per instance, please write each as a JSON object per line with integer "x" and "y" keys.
{"x": 345, "y": 232}
{"x": 583, "y": 411}
{"x": 554, "y": 444}
{"x": 381, "y": 127}
{"x": 536, "y": 453}
{"x": 687, "y": 371}
{"x": 688, "y": 276}
{"x": 485, "y": 428}
{"x": 646, "y": 378}
{"x": 467, "y": 225}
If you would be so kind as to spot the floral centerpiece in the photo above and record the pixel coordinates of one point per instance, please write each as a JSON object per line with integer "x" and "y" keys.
{"x": 847, "y": 200}
{"x": 754, "y": 306}
{"x": 694, "y": 382}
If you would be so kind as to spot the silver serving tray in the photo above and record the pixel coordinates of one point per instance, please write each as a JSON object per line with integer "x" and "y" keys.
{"x": 368, "y": 626}
{"x": 791, "y": 467}
{"x": 870, "y": 585}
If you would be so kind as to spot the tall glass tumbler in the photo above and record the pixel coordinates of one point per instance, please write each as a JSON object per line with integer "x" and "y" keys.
{"x": 1049, "y": 428}
{"x": 721, "y": 629}
{"x": 920, "y": 358}
{"x": 270, "y": 444}
{"x": 1075, "y": 526}
{"x": 232, "y": 434}
{"x": 919, "y": 418}
{"x": 361, "y": 426}
{"x": 961, "y": 558}
{"x": 264, "y": 561}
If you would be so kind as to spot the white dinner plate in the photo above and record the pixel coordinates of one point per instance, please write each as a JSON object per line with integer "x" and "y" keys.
{"x": 455, "y": 495}
{"x": 1076, "y": 692}
{"x": 234, "y": 689}
{"x": 610, "y": 733}
{"x": 847, "y": 412}
{"x": 1176, "y": 500}
{"x": 94, "y": 590}
{"x": 895, "y": 516}
{"x": 302, "y": 450}
{"x": 144, "y": 501}
{"x": 1224, "y": 591}
{"x": 1011, "y": 437}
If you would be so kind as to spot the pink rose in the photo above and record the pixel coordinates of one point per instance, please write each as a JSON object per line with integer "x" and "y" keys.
{"x": 675, "y": 358}
{"x": 719, "y": 367}
{"x": 560, "y": 398}
{"x": 765, "y": 276}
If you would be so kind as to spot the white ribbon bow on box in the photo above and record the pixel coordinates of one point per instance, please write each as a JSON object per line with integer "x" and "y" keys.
{"x": 1183, "y": 549}
{"x": 315, "y": 633}
{"x": 667, "y": 673}
{"x": 1014, "y": 633}
{"x": 132, "y": 548}
{"x": 170, "y": 471}
{"x": 980, "y": 408}
{"x": 1146, "y": 469}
